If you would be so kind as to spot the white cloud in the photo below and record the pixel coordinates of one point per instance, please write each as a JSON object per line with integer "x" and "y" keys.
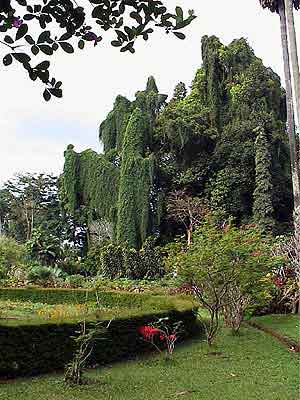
{"x": 34, "y": 134}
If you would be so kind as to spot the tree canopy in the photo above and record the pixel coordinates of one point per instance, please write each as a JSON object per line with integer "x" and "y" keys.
{"x": 218, "y": 144}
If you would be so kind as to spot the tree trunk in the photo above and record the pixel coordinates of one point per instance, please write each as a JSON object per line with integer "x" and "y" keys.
{"x": 290, "y": 120}
{"x": 289, "y": 11}
{"x": 189, "y": 235}
{"x": 285, "y": 20}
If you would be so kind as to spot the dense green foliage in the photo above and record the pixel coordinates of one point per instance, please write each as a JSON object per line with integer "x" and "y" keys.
{"x": 224, "y": 142}
{"x": 30, "y": 201}
{"x": 117, "y": 187}
{"x": 263, "y": 207}
{"x": 226, "y": 270}
{"x": 80, "y": 296}
{"x": 117, "y": 261}
{"x": 12, "y": 255}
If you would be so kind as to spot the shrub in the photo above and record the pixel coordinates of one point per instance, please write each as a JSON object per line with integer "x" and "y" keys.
{"x": 11, "y": 255}
{"x": 226, "y": 270}
{"x": 85, "y": 341}
{"x": 76, "y": 281}
{"x": 45, "y": 276}
{"x": 43, "y": 246}
{"x": 115, "y": 261}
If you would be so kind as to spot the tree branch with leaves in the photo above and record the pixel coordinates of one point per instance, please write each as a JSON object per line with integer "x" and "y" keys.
{"x": 62, "y": 23}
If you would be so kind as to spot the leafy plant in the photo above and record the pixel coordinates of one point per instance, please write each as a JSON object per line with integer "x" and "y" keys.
{"x": 162, "y": 332}
{"x": 226, "y": 270}
{"x": 85, "y": 341}
{"x": 12, "y": 255}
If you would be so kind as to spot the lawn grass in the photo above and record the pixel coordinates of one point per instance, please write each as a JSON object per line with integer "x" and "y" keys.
{"x": 286, "y": 325}
{"x": 249, "y": 366}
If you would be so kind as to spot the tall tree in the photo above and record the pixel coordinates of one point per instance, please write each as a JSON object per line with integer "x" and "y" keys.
{"x": 278, "y": 6}
{"x": 289, "y": 10}
{"x": 263, "y": 210}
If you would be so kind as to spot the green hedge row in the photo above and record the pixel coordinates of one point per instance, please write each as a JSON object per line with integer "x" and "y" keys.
{"x": 33, "y": 349}
{"x": 76, "y": 296}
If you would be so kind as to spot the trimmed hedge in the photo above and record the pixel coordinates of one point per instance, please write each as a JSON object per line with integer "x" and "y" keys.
{"x": 33, "y": 349}
{"x": 77, "y": 296}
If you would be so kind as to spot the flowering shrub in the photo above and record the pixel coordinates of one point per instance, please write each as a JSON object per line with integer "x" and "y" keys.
{"x": 286, "y": 277}
{"x": 162, "y": 333}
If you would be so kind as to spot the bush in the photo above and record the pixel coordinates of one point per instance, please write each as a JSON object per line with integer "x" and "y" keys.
{"x": 76, "y": 281}
{"x": 46, "y": 276}
{"x": 11, "y": 255}
{"x": 115, "y": 261}
{"x": 226, "y": 269}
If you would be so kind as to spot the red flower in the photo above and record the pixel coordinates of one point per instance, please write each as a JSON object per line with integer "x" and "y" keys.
{"x": 172, "y": 338}
{"x": 278, "y": 282}
{"x": 148, "y": 333}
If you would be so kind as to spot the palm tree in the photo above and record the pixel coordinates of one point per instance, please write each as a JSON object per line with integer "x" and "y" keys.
{"x": 289, "y": 5}
{"x": 278, "y": 6}
{"x": 285, "y": 10}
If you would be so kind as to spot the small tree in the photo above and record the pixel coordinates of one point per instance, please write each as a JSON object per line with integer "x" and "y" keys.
{"x": 85, "y": 341}
{"x": 187, "y": 210}
{"x": 225, "y": 268}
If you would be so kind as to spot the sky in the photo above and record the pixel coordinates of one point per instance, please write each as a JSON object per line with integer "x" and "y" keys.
{"x": 34, "y": 134}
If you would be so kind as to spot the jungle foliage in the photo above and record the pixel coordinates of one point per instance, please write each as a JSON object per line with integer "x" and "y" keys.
{"x": 221, "y": 144}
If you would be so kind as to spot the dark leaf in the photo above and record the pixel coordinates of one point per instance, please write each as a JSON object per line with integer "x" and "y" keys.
{"x": 46, "y": 49}
{"x": 56, "y": 92}
{"x": 35, "y": 50}
{"x": 116, "y": 43}
{"x": 46, "y": 95}
{"x": 8, "y": 39}
{"x": 122, "y": 35}
{"x": 65, "y": 36}
{"x": 179, "y": 35}
{"x": 28, "y": 17}
{"x": 21, "y": 31}
{"x": 67, "y": 47}
{"x": 29, "y": 39}
{"x": 81, "y": 44}
{"x": 7, "y": 60}
{"x": 22, "y": 57}
{"x": 179, "y": 14}
{"x": 137, "y": 17}
{"x": 43, "y": 65}
{"x": 44, "y": 37}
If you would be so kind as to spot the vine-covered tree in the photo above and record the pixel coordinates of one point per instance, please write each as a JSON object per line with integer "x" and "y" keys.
{"x": 263, "y": 210}
{"x": 119, "y": 185}
{"x": 203, "y": 143}
{"x": 49, "y": 25}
